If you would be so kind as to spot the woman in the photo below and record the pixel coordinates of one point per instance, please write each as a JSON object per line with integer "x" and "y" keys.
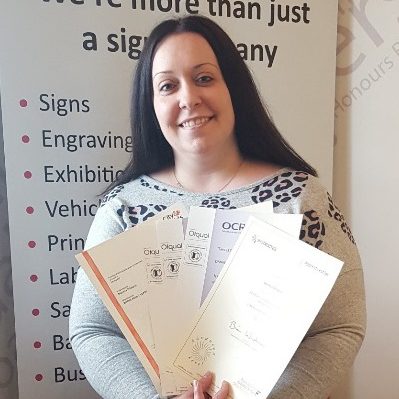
{"x": 202, "y": 136}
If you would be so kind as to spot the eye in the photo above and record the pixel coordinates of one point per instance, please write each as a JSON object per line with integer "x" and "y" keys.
{"x": 166, "y": 87}
{"x": 204, "y": 79}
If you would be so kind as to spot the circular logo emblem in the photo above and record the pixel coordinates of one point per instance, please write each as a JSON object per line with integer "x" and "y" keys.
{"x": 173, "y": 266}
{"x": 202, "y": 349}
{"x": 156, "y": 272}
{"x": 195, "y": 255}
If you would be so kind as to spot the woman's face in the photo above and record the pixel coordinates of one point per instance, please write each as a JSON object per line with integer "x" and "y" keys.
{"x": 191, "y": 100}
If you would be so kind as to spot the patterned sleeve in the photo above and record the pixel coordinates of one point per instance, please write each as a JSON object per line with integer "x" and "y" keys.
{"x": 103, "y": 353}
{"x": 332, "y": 342}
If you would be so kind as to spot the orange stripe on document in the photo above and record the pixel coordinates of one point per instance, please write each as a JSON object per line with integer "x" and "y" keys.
{"x": 121, "y": 312}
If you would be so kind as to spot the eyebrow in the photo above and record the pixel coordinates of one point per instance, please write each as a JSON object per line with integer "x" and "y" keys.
{"x": 195, "y": 67}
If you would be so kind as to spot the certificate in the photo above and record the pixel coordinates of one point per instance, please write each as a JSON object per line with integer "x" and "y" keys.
{"x": 198, "y": 238}
{"x": 120, "y": 269}
{"x": 259, "y": 309}
{"x": 227, "y": 227}
{"x": 164, "y": 304}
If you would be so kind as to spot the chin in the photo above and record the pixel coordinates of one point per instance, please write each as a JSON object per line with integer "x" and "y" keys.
{"x": 200, "y": 147}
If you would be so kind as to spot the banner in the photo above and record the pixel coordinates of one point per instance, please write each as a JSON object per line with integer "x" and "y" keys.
{"x": 66, "y": 69}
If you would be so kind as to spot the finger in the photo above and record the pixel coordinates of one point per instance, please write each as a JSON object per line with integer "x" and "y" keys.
{"x": 206, "y": 381}
{"x": 198, "y": 393}
{"x": 223, "y": 391}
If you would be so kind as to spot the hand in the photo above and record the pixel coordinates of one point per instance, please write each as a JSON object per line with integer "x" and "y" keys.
{"x": 198, "y": 390}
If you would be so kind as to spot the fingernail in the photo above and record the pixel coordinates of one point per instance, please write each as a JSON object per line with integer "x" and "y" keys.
{"x": 207, "y": 374}
{"x": 195, "y": 384}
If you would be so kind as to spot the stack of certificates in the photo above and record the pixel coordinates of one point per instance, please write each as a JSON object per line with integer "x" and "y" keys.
{"x": 230, "y": 291}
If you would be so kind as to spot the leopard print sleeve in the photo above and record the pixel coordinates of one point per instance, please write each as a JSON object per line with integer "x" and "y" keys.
{"x": 332, "y": 342}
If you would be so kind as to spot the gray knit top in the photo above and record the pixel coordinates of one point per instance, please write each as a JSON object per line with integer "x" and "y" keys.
{"x": 329, "y": 347}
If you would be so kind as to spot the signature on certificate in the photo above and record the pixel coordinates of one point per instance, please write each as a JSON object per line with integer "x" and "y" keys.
{"x": 244, "y": 335}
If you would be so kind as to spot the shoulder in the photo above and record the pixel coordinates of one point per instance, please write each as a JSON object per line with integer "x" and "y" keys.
{"x": 144, "y": 188}
{"x": 291, "y": 191}
{"x": 109, "y": 220}
{"x": 285, "y": 188}
{"x": 127, "y": 205}
{"x": 124, "y": 192}
{"x": 298, "y": 192}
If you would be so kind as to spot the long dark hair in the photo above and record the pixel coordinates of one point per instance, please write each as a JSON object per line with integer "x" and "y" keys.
{"x": 257, "y": 136}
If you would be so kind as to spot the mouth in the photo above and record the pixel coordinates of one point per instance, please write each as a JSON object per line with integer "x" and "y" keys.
{"x": 195, "y": 122}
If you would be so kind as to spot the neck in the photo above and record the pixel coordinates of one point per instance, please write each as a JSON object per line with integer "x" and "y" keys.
{"x": 207, "y": 173}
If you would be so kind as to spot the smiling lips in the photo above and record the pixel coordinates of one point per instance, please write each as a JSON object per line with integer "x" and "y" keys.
{"x": 195, "y": 122}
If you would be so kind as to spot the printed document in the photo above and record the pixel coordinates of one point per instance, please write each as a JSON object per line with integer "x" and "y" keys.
{"x": 259, "y": 309}
{"x": 119, "y": 269}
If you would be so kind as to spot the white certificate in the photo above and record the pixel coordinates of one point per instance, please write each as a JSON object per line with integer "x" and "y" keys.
{"x": 164, "y": 304}
{"x": 227, "y": 227}
{"x": 119, "y": 269}
{"x": 258, "y": 311}
{"x": 195, "y": 256}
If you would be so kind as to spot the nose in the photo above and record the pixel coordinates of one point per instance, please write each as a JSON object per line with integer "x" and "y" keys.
{"x": 189, "y": 96}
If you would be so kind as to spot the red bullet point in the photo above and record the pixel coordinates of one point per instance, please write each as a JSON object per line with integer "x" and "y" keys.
{"x": 25, "y": 138}
{"x": 37, "y": 344}
{"x": 33, "y": 278}
{"x": 38, "y": 377}
{"x": 23, "y": 103}
{"x": 35, "y": 312}
{"x": 28, "y": 174}
{"x": 31, "y": 244}
{"x": 29, "y": 210}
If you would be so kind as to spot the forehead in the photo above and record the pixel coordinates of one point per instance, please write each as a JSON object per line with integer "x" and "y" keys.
{"x": 182, "y": 50}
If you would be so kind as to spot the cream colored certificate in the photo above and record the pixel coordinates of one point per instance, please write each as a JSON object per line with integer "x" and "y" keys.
{"x": 258, "y": 311}
{"x": 119, "y": 269}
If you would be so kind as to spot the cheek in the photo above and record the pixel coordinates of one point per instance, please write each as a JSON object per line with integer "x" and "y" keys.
{"x": 164, "y": 113}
